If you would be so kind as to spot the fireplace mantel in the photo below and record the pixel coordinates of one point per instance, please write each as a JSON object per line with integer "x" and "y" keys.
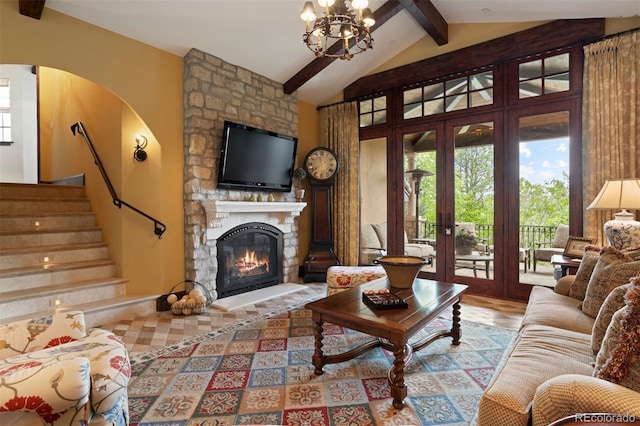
{"x": 224, "y": 215}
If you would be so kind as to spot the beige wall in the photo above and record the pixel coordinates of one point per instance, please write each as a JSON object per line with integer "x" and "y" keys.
{"x": 373, "y": 190}
{"x": 65, "y": 99}
{"x": 148, "y": 82}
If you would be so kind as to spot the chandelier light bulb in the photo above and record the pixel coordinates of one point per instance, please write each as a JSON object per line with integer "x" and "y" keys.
{"x": 308, "y": 12}
{"x": 367, "y": 18}
{"x": 359, "y": 4}
{"x": 345, "y": 32}
{"x": 326, "y": 3}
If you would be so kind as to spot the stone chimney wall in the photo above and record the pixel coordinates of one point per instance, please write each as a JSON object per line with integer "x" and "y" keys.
{"x": 215, "y": 91}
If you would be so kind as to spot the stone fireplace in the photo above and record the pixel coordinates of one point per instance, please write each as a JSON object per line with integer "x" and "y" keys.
{"x": 214, "y": 91}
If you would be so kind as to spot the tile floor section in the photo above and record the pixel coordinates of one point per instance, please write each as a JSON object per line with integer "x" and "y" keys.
{"x": 160, "y": 329}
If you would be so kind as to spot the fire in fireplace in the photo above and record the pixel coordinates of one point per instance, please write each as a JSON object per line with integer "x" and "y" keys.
{"x": 249, "y": 265}
{"x": 249, "y": 258}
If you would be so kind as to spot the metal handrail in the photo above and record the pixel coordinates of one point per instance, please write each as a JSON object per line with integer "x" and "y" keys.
{"x": 159, "y": 228}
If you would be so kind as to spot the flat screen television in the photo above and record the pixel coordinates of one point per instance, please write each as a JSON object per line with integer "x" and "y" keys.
{"x": 254, "y": 159}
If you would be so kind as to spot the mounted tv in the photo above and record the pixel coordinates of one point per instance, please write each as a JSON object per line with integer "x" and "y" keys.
{"x": 254, "y": 159}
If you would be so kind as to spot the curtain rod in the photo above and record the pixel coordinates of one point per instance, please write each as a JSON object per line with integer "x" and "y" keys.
{"x": 328, "y": 105}
{"x": 608, "y": 36}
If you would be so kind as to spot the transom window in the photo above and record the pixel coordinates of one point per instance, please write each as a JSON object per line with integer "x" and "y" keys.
{"x": 5, "y": 112}
{"x": 454, "y": 94}
{"x": 543, "y": 76}
{"x": 373, "y": 111}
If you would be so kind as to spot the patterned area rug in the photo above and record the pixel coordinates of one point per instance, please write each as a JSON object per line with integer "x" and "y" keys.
{"x": 260, "y": 372}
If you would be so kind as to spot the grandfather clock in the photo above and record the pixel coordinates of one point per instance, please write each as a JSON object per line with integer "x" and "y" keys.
{"x": 322, "y": 166}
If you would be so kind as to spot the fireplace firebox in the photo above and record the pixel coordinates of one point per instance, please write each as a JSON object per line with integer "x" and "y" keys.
{"x": 249, "y": 258}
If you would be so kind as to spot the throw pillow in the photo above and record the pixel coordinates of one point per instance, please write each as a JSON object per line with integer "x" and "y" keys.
{"x": 633, "y": 252}
{"x": 579, "y": 285}
{"x": 618, "y": 360}
{"x": 613, "y": 269}
{"x": 613, "y": 302}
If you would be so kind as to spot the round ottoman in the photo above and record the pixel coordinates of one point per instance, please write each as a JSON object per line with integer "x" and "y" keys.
{"x": 340, "y": 278}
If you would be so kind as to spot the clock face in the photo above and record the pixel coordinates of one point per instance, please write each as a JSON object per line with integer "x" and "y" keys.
{"x": 321, "y": 164}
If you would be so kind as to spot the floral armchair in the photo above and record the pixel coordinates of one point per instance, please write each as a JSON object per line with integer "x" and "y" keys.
{"x": 51, "y": 367}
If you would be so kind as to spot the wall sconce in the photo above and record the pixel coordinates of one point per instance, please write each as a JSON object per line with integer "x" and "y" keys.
{"x": 139, "y": 153}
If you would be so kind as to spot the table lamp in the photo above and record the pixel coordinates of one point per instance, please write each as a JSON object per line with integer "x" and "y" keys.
{"x": 622, "y": 231}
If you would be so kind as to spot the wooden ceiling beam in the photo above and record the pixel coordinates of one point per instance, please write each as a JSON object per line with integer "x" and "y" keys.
{"x": 381, "y": 15}
{"x": 426, "y": 14}
{"x": 555, "y": 34}
{"x": 31, "y": 8}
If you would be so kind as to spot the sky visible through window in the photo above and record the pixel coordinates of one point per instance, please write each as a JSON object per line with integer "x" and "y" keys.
{"x": 543, "y": 161}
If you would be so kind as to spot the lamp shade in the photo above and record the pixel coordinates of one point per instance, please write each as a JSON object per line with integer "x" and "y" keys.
{"x": 618, "y": 194}
{"x": 621, "y": 232}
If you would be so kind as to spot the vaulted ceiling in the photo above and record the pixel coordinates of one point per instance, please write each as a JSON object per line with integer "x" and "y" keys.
{"x": 265, "y": 36}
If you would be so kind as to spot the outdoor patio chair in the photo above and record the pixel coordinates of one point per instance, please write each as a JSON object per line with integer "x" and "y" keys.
{"x": 543, "y": 250}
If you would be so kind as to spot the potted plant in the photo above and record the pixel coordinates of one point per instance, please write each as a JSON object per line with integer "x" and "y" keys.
{"x": 300, "y": 174}
{"x": 466, "y": 241}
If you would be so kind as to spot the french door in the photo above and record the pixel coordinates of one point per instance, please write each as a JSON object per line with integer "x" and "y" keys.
{"x": 545, "y": 164}
{"x": 455, "y": 170}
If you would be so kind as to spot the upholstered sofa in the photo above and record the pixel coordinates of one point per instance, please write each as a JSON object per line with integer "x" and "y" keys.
{"x": 574, "y": 352}
{"x": 373, "y": 244}
{"x": 53, "y": 367}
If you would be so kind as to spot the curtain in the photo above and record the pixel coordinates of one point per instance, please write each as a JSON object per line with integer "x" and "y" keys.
{"x": 342, "y": 136}
{"x": 611, "y": 128}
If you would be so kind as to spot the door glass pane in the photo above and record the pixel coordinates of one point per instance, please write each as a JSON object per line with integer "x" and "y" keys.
{"x": 474, "y": 200}
{"x": 420, "y": 196}
{"x": 373, "y": 199}
{"x": 544, "y": 194}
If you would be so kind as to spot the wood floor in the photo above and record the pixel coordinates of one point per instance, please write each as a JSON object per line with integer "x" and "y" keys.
{"x": 486, "y": 310}
{"x": 156, "y": 331}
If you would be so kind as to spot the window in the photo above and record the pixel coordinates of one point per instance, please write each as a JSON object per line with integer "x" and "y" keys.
{"x": 373, "y": 111}
{"x": 454, "y": 94}
{"x": 544, "y": 76}
{"x": 5, "y": 112}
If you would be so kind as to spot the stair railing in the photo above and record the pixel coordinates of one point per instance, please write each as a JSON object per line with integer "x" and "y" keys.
{"x": 159, "y": 228}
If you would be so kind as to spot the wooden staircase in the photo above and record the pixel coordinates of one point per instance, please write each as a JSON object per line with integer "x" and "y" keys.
{"x": 53, "y": 257}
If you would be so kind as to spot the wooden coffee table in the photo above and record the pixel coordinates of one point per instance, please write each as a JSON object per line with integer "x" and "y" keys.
{"x": 393, "y": 327}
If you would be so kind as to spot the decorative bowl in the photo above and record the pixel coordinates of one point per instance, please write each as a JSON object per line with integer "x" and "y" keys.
{"x": 401, "y": 270}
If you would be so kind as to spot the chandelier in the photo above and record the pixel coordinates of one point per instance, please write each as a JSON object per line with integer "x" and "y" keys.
{"x": 339, "y": 23}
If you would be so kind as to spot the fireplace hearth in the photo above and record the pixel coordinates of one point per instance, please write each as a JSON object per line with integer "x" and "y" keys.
{"x": 249, "y": 258}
